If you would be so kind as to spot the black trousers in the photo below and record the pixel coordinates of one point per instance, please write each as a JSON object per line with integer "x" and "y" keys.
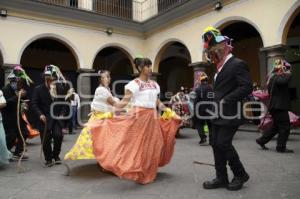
{"x": 69, "y": 125}
{"x": 281, "y": 126}
{"x": 199, "y": 125}
{"x": 13, "y": 137}
{"x": 53, "y": 133}
{"x": 224, "y": 152}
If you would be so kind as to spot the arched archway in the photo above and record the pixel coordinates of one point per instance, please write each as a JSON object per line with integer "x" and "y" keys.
{"x": 49, "y": 50}
{"x": 287, "y": 21}
{"x": 172, "y": 61}
{"x": 292, "y": 55}
{"x": 116, "y": 60}
{"x": 293, "y": 38}
{"x": 247, "y": 43}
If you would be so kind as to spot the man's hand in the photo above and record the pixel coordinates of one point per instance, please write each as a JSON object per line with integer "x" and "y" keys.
{"x": 22, "y": 92}
{"x": 43, "y": 118}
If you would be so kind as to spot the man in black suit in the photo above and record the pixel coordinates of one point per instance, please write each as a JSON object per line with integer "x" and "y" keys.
{"x": 278, "y": 107}
{"x": 16, "y": 78}
{"x": 232, "y": 83}
{"x": 43, "y": 104}
{"x": 204, "y": 95}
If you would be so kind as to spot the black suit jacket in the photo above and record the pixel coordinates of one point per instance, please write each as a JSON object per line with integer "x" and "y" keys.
{"x": 42, "y": 101}
{"x": 280, "y": 96}
{"x": 9, "y": 112}
{"x": 232, "y": 85}
{"x": 204, "y": 93}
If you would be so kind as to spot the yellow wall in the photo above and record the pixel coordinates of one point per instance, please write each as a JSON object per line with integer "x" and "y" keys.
{"x": 16, "y": 34}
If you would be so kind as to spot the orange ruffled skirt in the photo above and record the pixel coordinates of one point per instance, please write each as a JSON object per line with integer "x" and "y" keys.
{"x": 135, "y": 145}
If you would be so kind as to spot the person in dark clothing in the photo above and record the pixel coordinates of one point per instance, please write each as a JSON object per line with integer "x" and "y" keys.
{"x": 279, "y": 106}
{"x": 16, "y": 78}
{"x": 232, "y": 83}
{"x": 204, "y": 94}
{"x": 45, "y": 97}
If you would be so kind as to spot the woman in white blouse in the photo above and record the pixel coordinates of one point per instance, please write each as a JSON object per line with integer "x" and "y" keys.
{"x": 101, "y": 108}
{"x": 135, "y": 145}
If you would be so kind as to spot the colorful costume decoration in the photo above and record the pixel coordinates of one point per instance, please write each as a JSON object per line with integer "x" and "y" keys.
{"x": 19, "y": 73}
{"x": 211, "y": 37}
{"x": 54, "y": 72}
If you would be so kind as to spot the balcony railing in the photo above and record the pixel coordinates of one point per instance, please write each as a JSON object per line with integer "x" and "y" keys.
{"x": 136, "y": 10}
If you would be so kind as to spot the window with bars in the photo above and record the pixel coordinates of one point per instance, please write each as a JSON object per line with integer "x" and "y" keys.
{"x": 118, "y": 8}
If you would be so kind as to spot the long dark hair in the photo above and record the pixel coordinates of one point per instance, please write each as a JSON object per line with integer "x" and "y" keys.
{"x": 141, "y": 62}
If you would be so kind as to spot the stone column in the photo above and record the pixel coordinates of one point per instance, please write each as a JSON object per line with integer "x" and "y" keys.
{"x": 200, "y": 67}
{"x": 7, "y": 69}
{"x": 267, "y": 57}
{"x": 84, "y": 92}
{"x": 85, "y": 4}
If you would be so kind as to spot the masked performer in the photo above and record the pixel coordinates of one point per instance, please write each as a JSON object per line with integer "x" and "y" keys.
{"x": 204, "y": 95}
{"x": 135, "y": 145}
{"x": 44, "y": 98}
{"x": 232, "y": 83}
{"x": 11, "y": 91}
{"x": 101, "y": 109}
{"x": 279, "y": 106}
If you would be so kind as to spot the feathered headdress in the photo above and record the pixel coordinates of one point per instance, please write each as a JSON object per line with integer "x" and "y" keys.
{"x": 213, "y": 36}
{"x": 279, "y": 65}
{"x": 19, "y": 73}
{"x": 55, "y": 72}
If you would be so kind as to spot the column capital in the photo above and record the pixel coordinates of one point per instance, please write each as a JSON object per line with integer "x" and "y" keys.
{"x": 6, "y": 66}
{"x": 200, "y": 66}
{"x": 274, "y": 51}
{"x": 85, "y": 70}
{"x": 275, "y": 47}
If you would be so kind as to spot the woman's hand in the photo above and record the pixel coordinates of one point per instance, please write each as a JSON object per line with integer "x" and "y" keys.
{"x": 126, "y": 99}
{"x": 160, "y": 105}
